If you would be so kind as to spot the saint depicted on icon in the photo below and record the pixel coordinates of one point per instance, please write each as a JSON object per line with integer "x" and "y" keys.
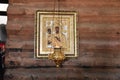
{"x": 59, "y": 39}
{"x": 56, "y": 39}
{"x": 49, "y": 38}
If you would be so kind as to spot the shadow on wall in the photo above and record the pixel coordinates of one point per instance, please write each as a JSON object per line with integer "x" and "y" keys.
{"x": 3, "y": 37}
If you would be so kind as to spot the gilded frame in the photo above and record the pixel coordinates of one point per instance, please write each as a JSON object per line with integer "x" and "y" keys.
{"x": 46, "y": 20}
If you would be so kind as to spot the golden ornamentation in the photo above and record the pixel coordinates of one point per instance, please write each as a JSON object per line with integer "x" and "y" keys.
{"x": 45, "y": 30}
{"x": 58, "y": 56}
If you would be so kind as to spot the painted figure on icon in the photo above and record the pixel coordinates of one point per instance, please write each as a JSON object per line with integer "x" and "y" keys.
{"x": 59, "y": 39}
{"x": 56, "y": 38}
{"x": 49, "y": 38}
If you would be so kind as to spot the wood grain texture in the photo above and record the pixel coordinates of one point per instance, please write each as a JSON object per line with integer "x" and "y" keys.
{"x": 98, "y": 41}
{"x": 97, "y": 25}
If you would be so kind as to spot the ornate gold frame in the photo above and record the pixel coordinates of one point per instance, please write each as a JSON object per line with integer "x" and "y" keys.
{"x": 47, "y": 19}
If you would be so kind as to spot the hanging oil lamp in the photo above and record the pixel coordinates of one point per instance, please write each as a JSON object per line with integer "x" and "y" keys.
{"x": 57, "y": 56}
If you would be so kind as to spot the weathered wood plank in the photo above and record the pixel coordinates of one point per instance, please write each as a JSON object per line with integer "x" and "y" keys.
{"x": 63, "y": 73}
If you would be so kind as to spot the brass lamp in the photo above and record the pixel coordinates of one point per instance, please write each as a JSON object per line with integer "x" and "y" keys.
{"x": 58, "y": 56}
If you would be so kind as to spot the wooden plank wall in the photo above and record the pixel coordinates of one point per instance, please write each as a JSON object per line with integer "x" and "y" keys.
{"x": 98, "y": 40}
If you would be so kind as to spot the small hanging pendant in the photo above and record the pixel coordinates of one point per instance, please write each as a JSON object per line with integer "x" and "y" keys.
{"x": 58, "y": 56}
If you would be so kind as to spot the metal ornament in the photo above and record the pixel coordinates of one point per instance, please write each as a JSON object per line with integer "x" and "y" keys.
{"x": 58, "y": 56}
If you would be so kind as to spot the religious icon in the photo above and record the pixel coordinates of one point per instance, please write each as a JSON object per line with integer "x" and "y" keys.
{"x": 55, "y": 31}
